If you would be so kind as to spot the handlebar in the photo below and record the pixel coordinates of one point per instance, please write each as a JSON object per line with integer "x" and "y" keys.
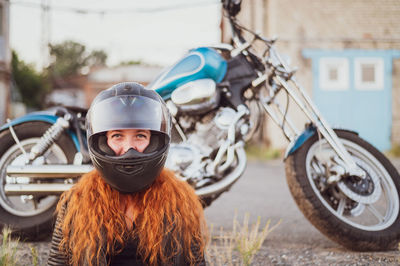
{"x": 269, "y": 58}
{"x": 232, "y": 6}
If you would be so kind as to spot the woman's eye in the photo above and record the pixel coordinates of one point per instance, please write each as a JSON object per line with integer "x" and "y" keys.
{"x": 141, "y": 136}
{"x": 116, "y": 136}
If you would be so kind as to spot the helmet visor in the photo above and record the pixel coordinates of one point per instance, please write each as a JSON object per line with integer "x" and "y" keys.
{"x": 128, "y": 112}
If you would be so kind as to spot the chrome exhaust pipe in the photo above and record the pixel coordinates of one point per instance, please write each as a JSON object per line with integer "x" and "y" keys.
{"x": 227, "y": 181}
{"x": 35, "y": 189}
{"x": 48, "y": 170}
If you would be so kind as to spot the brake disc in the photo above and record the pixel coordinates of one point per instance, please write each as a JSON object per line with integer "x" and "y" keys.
{"x": 365, "y": 191}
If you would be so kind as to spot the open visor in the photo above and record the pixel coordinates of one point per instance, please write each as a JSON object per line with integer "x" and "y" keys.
{"x": 128, "y": 112}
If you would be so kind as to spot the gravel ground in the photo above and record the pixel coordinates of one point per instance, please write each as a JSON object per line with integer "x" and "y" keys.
{"x": 269, "y": 254}
{"x": 301, "y": 255}
{"x": 323, "y": 252}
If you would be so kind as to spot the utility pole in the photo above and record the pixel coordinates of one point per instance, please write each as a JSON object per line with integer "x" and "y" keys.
{"x": 45, "y": 34}
{"x": 5, "y": 60}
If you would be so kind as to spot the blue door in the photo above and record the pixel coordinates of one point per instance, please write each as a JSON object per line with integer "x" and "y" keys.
{"x": 353, "y": 90}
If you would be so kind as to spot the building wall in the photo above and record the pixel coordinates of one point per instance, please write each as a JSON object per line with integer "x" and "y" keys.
{"x": 336, "y": 19}
{"x": 327, "y": 24}
{"x": 396, "y": 103}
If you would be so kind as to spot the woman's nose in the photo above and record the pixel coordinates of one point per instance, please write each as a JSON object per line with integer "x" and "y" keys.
{"x": 131, "y": 143}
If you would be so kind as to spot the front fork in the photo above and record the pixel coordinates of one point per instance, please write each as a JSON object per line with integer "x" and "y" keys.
{"x": 278, "y": 115}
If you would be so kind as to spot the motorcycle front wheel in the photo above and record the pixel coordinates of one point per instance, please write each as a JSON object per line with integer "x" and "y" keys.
{"x": 360, "y": 214}
{"x": 29, "y": 216}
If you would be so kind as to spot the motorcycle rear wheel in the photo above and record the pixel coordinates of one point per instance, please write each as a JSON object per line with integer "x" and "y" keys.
{"x": 29, "y": 216}
{"x": 370, "y": 224}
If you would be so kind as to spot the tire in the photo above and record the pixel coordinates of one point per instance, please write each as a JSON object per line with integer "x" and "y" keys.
{"x": 370, "y": 224}
{"x": 30, "y": 217}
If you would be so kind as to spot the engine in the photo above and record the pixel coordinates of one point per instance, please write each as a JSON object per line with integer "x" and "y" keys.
{"x": 192, "y": 159}
{"x": 206, "y": 148}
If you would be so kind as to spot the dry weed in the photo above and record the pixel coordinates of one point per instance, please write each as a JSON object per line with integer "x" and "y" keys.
{"x": 8, "y": 249}
{"x": 243, "y": 242}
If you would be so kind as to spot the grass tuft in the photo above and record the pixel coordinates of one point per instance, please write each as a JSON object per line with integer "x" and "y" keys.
{"x": 244, "y": 241}
{"x": 261, "y": 152}
{"x": 35, "y": 256}
{"x": 8, "y": 249}
{"x": 394, "y": 151}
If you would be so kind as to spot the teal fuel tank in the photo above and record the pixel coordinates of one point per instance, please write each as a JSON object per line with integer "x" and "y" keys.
{"x": 199, "y": 63}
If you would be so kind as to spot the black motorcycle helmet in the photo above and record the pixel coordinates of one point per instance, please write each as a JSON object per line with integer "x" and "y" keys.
{"x": 128, "y": 106}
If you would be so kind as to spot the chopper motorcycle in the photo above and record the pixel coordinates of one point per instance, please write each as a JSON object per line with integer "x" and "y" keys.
{"x": 217, "y": 96}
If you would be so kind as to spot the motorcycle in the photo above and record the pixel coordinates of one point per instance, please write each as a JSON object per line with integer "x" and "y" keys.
{"x": 218, "y": 97}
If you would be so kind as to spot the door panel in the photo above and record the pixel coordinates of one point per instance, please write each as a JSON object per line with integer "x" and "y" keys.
{"x": 362, "y": 99}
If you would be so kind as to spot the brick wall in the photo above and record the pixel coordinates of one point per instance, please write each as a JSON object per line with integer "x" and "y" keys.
{"x": 334, "y": 18}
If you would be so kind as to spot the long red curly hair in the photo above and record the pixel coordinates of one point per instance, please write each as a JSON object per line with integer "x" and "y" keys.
{"x": 95, "y": 220}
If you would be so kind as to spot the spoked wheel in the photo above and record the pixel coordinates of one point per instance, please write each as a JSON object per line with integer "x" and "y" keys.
{"x": 30, "y": 216}
{"x": 359, "y": 213}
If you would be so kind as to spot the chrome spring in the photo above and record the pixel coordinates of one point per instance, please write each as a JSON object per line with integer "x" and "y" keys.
{"x": 48, "y": 138}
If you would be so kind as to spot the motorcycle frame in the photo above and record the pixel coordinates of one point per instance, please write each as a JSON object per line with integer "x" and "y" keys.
{"x": 281, "y": 78}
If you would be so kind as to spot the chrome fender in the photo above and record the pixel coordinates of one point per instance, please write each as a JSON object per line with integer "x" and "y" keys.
{"x": 43, "y": 116}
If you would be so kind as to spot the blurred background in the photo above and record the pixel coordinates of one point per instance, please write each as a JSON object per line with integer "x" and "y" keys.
{"x": 347, "y": 52}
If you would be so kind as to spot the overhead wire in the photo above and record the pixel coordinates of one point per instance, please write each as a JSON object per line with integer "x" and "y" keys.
{"x": 85, "y": 11}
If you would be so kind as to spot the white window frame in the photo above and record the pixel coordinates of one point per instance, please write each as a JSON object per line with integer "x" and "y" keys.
{"x": 342, "y": 65}
{"x": 378, "y": 84}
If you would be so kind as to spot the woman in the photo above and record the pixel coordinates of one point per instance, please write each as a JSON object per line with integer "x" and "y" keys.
{"x": 130, "y": 210}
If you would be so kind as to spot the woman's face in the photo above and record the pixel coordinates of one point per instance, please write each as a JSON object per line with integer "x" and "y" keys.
{"x": 120, "y": 141}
